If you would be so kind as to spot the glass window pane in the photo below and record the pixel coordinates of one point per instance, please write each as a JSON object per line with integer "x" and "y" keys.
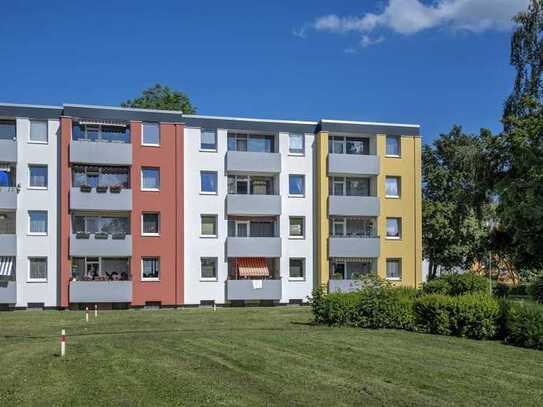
{"x": 150, "y": 178}
{"x": 358, "y": 186}
{"x": 208, "y": 267}
{"x": 115, "y": 134}
{"x": 151, "y": 223}
{"x": 38, "y": 269}
{"x": 296, "y": 143}
{"x": 394, "y": 269}
{"x": 208, "y": 140}
{"x": 116, "y": 269}
{"x": 38, "y": 176}
{"x": 392, "y": 187}
{"x": 92, "y": 132}
{"x": 296, "y": 185}
{"x": 296, "y": 227}
{"x": 209, "y": 225}
{"x": 38, "y": 222}
{"x": 115, "y": 224}
{"x": 150, "y": 268}
{"x": 393, "y": 145}
{"x": 38, "y": 131}
{"x": 208, "y": 181}
{"x": 296, "y": 268}
{"x": 260, "y": 144}
{"x": 7, "y": 130}
{"x": 393, "y": 227}
{"x": 151, "y": 133}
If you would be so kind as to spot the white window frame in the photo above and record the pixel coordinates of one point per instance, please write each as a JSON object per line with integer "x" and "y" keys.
{"x": 209, "y": 150}
{"x": 399, "y": 185}
{"x": 30, "y": 177}
{"x": 243, "y": 222}
{"x": 303, "y": 227}
{"x": 38, "y": 280}
{"x": 302, "y": 195}
{"x": 343, "y": 223}
{"x": 216, "y": 179}
{"x": 387, "y": 237}
{"x": 343, "y": 182}
{"x": 295, "y": 153}
{"x": 141, "y": 179}
{"x": 211, "y": 215}
{"x": 30, "y": 141}
{"x": 143, "y": 143}
{"x": 150, "y": 213}
{"x": 399, "y": 146}
{"x": 157, "y": 258}
{"x": 216, "y": 278}
{"x": 46, "y": 223}
{"x": 303, "y": 269}
{"x": 391, "y": 259}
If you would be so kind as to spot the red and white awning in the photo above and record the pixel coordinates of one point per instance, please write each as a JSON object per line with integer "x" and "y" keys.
{"x": 6, "y": 266}
{"x": 252, "y": 267}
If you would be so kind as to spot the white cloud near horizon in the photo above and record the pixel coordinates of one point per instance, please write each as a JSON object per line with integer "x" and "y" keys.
{"x": 408, "y": 17}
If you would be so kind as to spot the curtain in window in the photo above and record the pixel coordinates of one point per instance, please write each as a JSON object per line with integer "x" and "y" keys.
{"x": 393, "y": 269}
{"x": 38, "y": 131}
{"x": 209, "y": 140}
{"x": 209, "y": 182}
{"x": 296, "y": 185}
{"x": 357, "y": 146}
{"x": 151, "y": 133}
{"x": 392, "y": 228}
{"x": 358, "y": 186}
{"x": 392, "y": 145}
{"x": 391, "y": 187}
{"x": 38, "y": 176}
{"x": 151, "y": 178}
{"x": 296, "y": 143}
{"x": 38, "y": 222}
{"x": 38, "y": 269}
{"x": 151, "y": 268}
{"x": 262, "y": 229}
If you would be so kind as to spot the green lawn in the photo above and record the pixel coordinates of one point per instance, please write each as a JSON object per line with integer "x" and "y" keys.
{"x": 250, "y": 357}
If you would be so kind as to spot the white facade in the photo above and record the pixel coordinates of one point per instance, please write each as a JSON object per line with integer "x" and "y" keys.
{"x": 36, "y": 199}
{"x": 197, "y": 204}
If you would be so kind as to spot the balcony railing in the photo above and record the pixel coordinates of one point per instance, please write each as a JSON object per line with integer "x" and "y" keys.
{"x": 100, "y": 291}
{"x": 245, "y": 162}
{"x": 92, "y": 152}
{"x": 100, "y": 245}
{"x": 8, "y": 292}
{"x": 353, "y": 205}
{"x": 354, "y": 246}
{"x": 353, "y": 164}
{"x": 8, "y": 245}
{"x": 8, "y": 151}
{"x": 246, "y": 290}
{"x": 253, "y": 205}
{"x": 8, "y": 197}
{"x": 345, "y": 286}
{"x": 108, "y": 200}
{"x": 253, "y": 247}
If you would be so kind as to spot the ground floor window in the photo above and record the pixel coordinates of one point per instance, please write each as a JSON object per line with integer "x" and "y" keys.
{"x": 37, "y": 269}
{"x": 394, "y": 269}
{"x": 208, "y": 268}
{"x": 150, "y": 268}
{"x": 351, "y": 269}
{"x": 100, "y": 269}
{"x": 296, "y": 269}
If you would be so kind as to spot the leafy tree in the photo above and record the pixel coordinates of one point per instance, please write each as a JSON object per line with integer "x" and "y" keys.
{"x": 162, "y": 98}
{"x": 455, "y": 199}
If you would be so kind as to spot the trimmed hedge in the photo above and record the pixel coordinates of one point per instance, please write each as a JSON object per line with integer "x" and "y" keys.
{"x": 473, "y": 315}
{"x": 457, "y": 284}
{"x": 523, "y": 324}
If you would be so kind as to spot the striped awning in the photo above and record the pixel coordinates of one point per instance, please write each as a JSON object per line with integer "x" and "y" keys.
{"x": 252, "y": 267}
{"x": 353, "y": 259}
{"x": 6, "y": 266}
{"x": 111, "y": 123}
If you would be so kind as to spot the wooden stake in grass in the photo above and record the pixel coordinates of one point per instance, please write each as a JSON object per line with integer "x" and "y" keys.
{"x": 63, "y": 343}
{"x": 95, "y": 310}
{"x": 87, "y": 314}
{"x": 214, "y": 307}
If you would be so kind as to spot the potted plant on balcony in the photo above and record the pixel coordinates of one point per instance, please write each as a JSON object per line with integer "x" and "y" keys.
{"x": 118, "y": 236}
{"x": 100, "y": 235}
{"x": 115, "y": 188}
{"x": 82, "y": 235}
{"x": 101, "y": 189}
{"x": 85, "y": 188}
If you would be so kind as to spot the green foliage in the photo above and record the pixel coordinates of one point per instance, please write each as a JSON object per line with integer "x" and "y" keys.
{"x": 162, "y": 98}
{"x": 536, "y": 290}
{"x": 523, "y": 324}
{"x": 504, "y": 290}
{"x": 473, "y": 315}
{"x": 457, "y": 284}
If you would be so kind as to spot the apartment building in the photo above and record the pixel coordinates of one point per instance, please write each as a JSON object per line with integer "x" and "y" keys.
{"x": 139, "y": 208}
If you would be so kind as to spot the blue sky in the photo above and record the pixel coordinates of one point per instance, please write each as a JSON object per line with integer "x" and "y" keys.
{"x": 402, "y": 61}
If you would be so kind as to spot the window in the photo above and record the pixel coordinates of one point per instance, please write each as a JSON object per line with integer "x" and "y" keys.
{"x": 394, "y": 228}
{"x": 208, "y": 140}
{"x": 358, "y": 186}
{"x": 208, "y": 182}
{"x": 94, "y": 132}
{"x": 104, "y": 224}
{"x": 150, "y": 179}
{"x": 150, "y": 135}
{"x": 8, "y": 130}
{"x": 37, "y": 270}
{"x": 208, "y": 268}
{"x": 394, "y": 269}
{"x": 296, "y": 185}
{"x": 251, "y": 142}
{"x": 392, "y": 187}
{"x": 296, "y": 228}
{"x": 150, "y": 224}
{"x": 392, "y": 146}
{"x": 38, "y": 131}
{"x": 254, "y": 185}
{"x": 93, "y": 176}
{"x": 38, "y": 222}
{"x": 349, "y": 145}
{"x": 38, "y": 176}
{"x": 208, "y": 226}
{"x": 150, "y": 268}
{"x": 296, "y": 143}
{"x": 296, "y": 270}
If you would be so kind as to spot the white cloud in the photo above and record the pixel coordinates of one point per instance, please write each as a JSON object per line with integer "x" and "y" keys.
{"x": 412, "y": 16}
{"x": 366, "y": 40}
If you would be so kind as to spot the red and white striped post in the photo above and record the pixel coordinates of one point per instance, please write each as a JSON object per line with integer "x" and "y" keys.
{"x": 87, "y": 313}
{"x": 95, "y": 310}
{"x": 63, "y": 343}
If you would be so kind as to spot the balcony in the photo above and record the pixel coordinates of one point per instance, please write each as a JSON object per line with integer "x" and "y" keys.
{"x": 344, "y": 286}
{"x": 253, "y": 246}
{"x": 253, "y": 205}
{"x": 8, "y": 198}
{"x": 353, "y": 164}
{"x": 93, "y": 246}
{"x": 246, "y": 290}
{"x": 252, "y": 162}
{"x": 354, "y": 247}
{"x": 8, "y": 245}
{"x": 353, "y": 205}
{"x": 92, "y": 152}
{"x": 8, "y": 292}
{"x": 100, "y": 201}
{"x": 8, "y": 151}
{"x": 100, "y": 291}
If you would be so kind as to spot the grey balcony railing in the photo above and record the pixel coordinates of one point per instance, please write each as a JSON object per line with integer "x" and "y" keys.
{"x": 354, "y": 246}
{"x": 8, "y": 245}
{"x": 91, "y": 152}
{"x": 100, "y": 201}
{"x": 253, "y": 247}
{"x": 100, "y": 291}
{"x": 353, "y": 164}
{"x": 8, "y": 151}
{"x": 8, "y": 197}
{"x": 98, "y": 245}
{"x": 8, "y": 292}
{"x": 253, "y": 162}
{"x": 239, "y": 290}
{"x": 340, "y": 205}
{"x": 253, "y": 205}
{"x": 345, "y": 286}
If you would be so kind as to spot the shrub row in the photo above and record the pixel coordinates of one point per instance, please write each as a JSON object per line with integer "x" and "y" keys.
{"x": 457, "y": 284}
{"x": 522, "y": 324}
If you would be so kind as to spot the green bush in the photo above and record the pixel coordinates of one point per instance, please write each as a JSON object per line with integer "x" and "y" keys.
{"x": 457, "y": 284}
{"x": 523, "y": 324}
{"x": 471, "y": 315}
{"x": 504, "y": 290}
{"x": 536, "y": 290}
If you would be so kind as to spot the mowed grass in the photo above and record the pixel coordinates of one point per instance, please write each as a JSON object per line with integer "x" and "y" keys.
{"x": 250, "y": 357}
